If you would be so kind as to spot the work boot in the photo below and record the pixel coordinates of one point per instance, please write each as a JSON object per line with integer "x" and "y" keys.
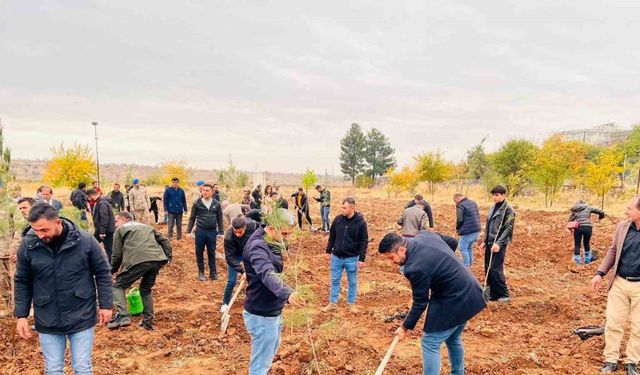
{"x": 202, "y": 277}
{"x": 631, "y": 368}
{"x": 330, "y": 307}
{"x": 147, "y": 325}
{"x": 213, "y": 277}
{"x": 577, "y": 259}
{"x": 354, "y": 309}
{"x": 118, "y": 321}
{"x": 587, "y": 257}
{"x": 609, "y": 367}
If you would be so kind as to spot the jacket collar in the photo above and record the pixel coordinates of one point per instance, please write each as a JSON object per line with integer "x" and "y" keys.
{"x": 73, "y": 237}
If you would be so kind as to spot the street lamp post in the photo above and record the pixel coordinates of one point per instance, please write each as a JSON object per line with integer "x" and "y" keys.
{"x": 95, "y": 132}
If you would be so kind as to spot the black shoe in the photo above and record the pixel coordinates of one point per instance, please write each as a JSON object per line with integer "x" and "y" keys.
{"x": 631, "y": 368}
{"x": 147, "y": 325}
{"x": 119, "y": 321}
{"x": 202, "y": 277}
{"x": 608, "y": 367}
{"x": 213, "y": 277}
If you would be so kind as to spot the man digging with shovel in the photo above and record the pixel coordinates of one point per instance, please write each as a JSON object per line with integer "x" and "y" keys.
{"x": 456, "y": 296}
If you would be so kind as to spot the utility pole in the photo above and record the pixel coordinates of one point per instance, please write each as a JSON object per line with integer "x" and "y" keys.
{"x": 95, "y": 132}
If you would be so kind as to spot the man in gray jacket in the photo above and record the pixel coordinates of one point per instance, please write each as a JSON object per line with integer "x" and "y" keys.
{"x": 139, "y": 251}
{"x": 414, "y": 219}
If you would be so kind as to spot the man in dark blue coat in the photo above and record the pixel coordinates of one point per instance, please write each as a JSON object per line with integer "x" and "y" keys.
{"x": 175, "y": 205}
{"x": 59, "y": 268}
{"x": 456, "y": 295}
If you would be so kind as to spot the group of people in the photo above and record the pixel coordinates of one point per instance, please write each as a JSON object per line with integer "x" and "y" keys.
{"x": 67, "y": 277}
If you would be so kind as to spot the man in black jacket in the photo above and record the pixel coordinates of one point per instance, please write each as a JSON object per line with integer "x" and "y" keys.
{"x": 301, "y": 204}
{"x": 235, "y": 238}
{"x": 104, "y": 221}
{"x": 117, "y": 198}
{"x": 456, "y": 296}
{"x": 206, "y": 215}
{"x": 498, "y": 234}
{"x": 427, "y": 207}
{"x": 80, "y": 200}
{"x": 59, "y": 269}
{"x": 257, "y": 196}
{"x": 346, "y": 250}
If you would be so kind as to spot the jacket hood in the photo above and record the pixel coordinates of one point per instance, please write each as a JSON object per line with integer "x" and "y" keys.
{"x": 579, "y": 207}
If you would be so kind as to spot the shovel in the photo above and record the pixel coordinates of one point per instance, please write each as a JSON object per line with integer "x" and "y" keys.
{"x": 224, "y": 322}
{"x": 387, "y": 356}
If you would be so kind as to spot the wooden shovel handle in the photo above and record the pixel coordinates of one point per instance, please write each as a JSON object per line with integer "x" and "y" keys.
{"x": 387, "y": 356}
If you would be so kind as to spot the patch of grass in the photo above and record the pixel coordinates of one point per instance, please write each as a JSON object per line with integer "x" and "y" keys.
{"x": 306, "y": 293}
{"x": 296, "y": 318}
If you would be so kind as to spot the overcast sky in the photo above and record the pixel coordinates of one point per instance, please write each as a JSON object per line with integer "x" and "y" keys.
{"x": 275, "y": 84}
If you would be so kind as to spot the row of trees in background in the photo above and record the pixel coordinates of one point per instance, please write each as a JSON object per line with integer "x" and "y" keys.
{"x": 70, "y": 165}
{"x": 363, "y": 156}
{"x": 521, "y": 166}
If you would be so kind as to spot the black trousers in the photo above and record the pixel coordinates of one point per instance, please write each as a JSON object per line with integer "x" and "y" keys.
{"x": 496, "y": 281}
{"x": 155, "y": 214}
{"x": 206, "y": 238}
{"x": 107, "y": 242}
{"x": 582, "y": 235}
{"x": 146, "y": 272}
{"x": 307, "y": 216}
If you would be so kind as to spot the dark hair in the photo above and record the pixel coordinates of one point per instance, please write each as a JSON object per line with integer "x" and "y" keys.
{"x": 82, "y": 185}
{"x": 419, "y": 197}
{"x": 125, "y": 215}
{"x": 176, "y": 179}
{"x": 91, "y": 192}
{"x": 94, "y": 182}
{"x": 27, "y": 199}
{"x": 116, "y": 184}
{"x": 46, "y": 187}
{"x": 267, "y": 188}
{"x": 318, "y": 186}
{"x": 349, "y": 200}
{"x": 499, "y": 190}
{"x": 42, "y": 210}
{"x": 300, "y": 189}
{"x": 207, "y": 185}
{"x": 238, "y": 222}
{"x": 390, "y": 243}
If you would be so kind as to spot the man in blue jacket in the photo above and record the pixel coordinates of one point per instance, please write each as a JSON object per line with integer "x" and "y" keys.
{"x": 267, "y": 293}
{"x": 59, "y": 269}
{"x": 456, "y": 296}
{"x": 175, "y": 204}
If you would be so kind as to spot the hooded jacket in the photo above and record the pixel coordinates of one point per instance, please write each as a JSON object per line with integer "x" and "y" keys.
{"x": 62, "y": 285}
{"x": 348, "y": 237}
{"x": 104, "y": 220}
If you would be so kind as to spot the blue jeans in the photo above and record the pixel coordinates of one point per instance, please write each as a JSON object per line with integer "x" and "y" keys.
{"x": 54, "y": 346}
{"x": 231, "y": 282}
{"x": 265, "y": 340}
{"x": 324, "y": 213}
{"x": 466, "y": 247}
{"x": 206, "y": 238}
{"x": 337, "y": 266}
{"x": 431, "y": 343}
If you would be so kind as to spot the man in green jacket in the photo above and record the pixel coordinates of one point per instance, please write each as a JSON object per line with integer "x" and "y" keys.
{"x": 139, "y": 251}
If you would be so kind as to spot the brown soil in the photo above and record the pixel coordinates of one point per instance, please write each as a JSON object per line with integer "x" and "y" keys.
{"x": 531, "y": 335}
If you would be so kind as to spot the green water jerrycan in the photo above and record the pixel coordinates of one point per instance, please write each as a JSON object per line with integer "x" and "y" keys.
{"x": 135, "y": 301}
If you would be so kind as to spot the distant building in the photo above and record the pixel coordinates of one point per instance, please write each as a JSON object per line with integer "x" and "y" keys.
{"x": 602, "y": 135}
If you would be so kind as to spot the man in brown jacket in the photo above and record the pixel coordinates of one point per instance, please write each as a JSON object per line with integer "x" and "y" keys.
{"x": 623, "y": 258}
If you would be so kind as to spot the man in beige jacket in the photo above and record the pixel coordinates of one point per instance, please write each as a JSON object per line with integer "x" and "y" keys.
{"x": 623, "y": 259}
{"x": 139, "y": 202}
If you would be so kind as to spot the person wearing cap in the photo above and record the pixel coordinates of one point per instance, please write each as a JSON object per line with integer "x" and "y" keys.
{"x": 139, "y": 202}
{"x": 325, "y": 206}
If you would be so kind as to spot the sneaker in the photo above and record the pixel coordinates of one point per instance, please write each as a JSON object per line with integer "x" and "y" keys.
{"x": 224, "y": 308}
{"x": 330, "y": 307}
{"x": 213, "y": 277}
{"x": 202, "y": 277}
{"x": 631, "y": 369}
{"x": 118, "y": 321}
{"x": 577, "y": 259}
{"x": 354, "y": 309}
{"x": 147, "y": 325}
{"x": 609, "y": 367}
{"x": 587, "y": 257}
{"x": 504, "y": 299}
